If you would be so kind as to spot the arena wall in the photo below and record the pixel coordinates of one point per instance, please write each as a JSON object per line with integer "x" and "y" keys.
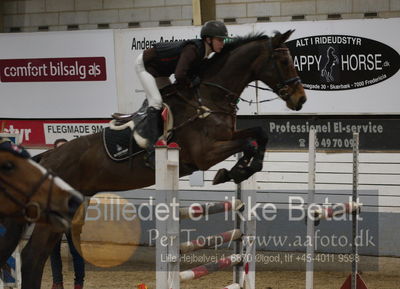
{"x": 284, "y": 171}
{"x": 56, "y": 15}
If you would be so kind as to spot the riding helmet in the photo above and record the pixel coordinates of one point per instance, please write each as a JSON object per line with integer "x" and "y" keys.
{"x": 214, "y": 29}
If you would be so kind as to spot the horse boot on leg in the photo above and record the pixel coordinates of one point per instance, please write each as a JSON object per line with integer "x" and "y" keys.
{"x": 153, "y": 133}
{"x": 241, "y": 171}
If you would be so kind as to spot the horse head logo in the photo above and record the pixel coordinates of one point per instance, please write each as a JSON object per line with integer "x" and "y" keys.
{"x": 332, "y": 60}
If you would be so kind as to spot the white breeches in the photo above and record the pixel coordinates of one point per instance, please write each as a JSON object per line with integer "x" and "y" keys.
{"x": 150, "y": 84}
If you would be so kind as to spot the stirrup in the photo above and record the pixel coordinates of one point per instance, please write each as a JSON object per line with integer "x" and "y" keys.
{"x": 121, "y": 116}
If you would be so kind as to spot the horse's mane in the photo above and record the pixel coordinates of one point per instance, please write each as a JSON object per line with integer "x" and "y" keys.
{"x": 231, "y": 45}
{"x": 237, "y": 41}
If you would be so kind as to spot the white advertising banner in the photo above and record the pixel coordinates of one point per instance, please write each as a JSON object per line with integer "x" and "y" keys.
{"x": 129, "y": 43}
{"x": 347, "y": 66}
{"x": 69, "y": 74}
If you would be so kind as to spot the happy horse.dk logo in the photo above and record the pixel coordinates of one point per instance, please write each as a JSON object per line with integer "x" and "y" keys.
{"x": 341, "y": 62}
{"x": 331, "y": 61}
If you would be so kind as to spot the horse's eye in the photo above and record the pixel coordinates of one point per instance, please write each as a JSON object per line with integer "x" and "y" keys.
{"x": 285, "y": 62}
{"x": 7, "y": 166}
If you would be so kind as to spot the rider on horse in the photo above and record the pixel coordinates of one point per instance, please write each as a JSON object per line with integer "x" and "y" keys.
{"x": 182, "y": 58}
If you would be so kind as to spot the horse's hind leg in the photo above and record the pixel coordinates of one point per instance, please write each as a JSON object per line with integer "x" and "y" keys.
{"x": 35, "y": 254}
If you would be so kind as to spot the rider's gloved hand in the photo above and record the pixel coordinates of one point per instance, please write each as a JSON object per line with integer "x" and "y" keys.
{"x": 182, "y": 84}
{"x": 195, "y": 82}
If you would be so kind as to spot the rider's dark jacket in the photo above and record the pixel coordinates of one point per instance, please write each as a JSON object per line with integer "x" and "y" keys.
{"x": 182, "y": 58}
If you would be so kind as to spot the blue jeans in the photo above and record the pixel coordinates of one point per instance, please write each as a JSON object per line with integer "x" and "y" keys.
{"x": 56, "y": 262}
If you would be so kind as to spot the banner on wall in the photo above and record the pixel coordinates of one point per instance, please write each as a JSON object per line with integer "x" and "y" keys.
{"x": 285, "y": 133}
{"x": 342, "y": 62}
{"x": 63, "y": 74}
{"x": 130, "y": 43}
{"x": 43, "y": 133}
{"x": 334, "y": 133}
{"x": 347, "y": 66}
{"x": 53, "y": 69}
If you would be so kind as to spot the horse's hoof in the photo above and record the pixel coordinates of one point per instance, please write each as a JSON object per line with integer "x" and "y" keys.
{"x": 256, "y": 166}
{"x": 239, "y": 175}
{"x": 221, "y": 176}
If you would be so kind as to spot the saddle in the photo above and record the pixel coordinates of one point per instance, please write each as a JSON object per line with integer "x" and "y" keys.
{"x": 126, "y": 136}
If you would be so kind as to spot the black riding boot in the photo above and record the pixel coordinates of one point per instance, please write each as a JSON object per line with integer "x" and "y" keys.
{"x": 153, "y": 121}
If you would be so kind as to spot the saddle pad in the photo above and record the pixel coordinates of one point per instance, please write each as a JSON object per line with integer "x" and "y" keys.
{"x": 120, "y": 144}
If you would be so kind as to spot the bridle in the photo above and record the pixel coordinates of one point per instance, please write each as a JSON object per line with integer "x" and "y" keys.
{"x": 30, "y": 205}
{"x": 282, "y": 88}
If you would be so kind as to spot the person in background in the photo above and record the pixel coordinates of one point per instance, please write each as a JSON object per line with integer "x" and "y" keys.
{"x": 55, "y": 257}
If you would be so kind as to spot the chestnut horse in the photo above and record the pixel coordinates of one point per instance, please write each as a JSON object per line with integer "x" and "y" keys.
{"x": 29, "y": 192}
{"x": 204, "y": 120}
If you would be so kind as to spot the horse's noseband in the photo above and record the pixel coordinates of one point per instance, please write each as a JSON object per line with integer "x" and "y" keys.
{"x": 282, "y": 88}
{"x": 30, "y": 205}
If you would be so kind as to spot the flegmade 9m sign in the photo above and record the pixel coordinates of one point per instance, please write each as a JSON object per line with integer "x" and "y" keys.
{"x": 340, "y": 62}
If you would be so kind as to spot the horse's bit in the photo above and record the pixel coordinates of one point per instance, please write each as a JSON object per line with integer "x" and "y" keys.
{"x": 282, "y": 88}
{"x": 30, "y": 204}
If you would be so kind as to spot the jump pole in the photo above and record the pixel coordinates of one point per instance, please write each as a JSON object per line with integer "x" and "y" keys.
{"x": 245, "y": 275}
{"x": 354, "y": 281}
{"x": 11, "y": 277}
{"x": 168, "y": 274}
{"x": 354, "y": 265}
{"x": 167, "y": 188}
{"x": 310, "y": 200}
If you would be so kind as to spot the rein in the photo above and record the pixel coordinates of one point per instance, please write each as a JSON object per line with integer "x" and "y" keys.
{"x": 25, "y": 207}
{"x": 282, "y": 90}
{"x": 202, "y": 111}
{"x": 250, "y": 102}
{"x": 230, "y": 92}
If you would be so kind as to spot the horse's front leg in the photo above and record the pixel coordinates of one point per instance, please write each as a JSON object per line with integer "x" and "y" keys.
{"x": 35, "y": 254}
{"x": 252, "y": 142}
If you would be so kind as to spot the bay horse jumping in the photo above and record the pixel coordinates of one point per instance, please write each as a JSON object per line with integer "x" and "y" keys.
{"x": 204, "y": 128}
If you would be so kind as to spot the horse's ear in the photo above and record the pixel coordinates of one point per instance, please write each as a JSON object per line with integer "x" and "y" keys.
{"x": 281, "y": 38}
{"x": 287, "y": 34}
